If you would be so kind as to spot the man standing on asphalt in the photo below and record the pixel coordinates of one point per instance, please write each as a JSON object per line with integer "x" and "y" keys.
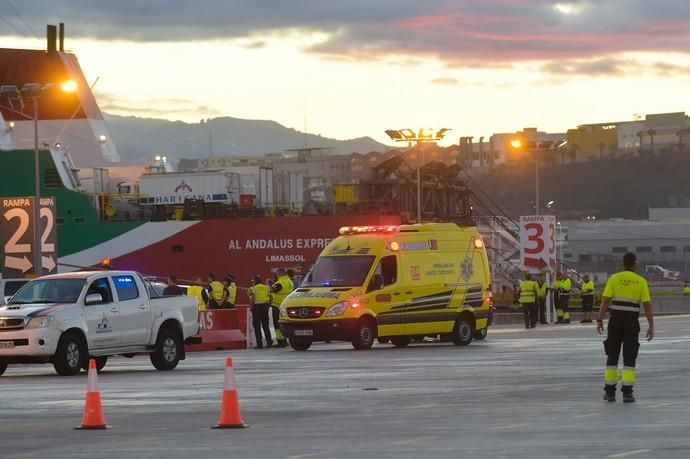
{"x": 587, "y": 295}
{"x": 259, "y": 302}
{"x": 624, "y": 292}
{"x": 528, "y": 299}
{"x": 280, "y": 289}
{"x": 566, "y": 286}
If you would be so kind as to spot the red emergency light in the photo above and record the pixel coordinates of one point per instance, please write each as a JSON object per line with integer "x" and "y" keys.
{"x": 348, "y": 230}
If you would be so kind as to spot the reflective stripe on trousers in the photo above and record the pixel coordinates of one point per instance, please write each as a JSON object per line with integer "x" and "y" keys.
{"x": 611, "y": 376}
{"x": 629, "y": 376}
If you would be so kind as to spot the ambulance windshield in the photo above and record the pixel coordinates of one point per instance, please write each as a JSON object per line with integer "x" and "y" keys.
{"x": 343, "y": 271}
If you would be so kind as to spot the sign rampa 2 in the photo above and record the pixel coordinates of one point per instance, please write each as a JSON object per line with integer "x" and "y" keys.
{"x": 16, "y": 236}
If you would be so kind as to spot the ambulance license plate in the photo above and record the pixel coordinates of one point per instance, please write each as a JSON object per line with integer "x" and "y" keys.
{"x": 304, "y": 332}
{"x": 6, "y": 344}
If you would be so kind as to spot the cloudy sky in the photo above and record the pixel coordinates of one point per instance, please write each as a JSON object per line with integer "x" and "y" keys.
{"x": 355, "y": 67}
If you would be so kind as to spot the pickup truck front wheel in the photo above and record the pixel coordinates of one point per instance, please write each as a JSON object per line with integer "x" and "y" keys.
{"x": 168, "y": 350}
{"x": 69, "y": 355}
{"x": 3, "y": 367}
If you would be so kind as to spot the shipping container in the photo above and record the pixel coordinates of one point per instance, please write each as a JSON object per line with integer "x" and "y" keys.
{"x": 256, "y": 181}
{"x": 174, "y": 188}
{"x": 347, "y": 194}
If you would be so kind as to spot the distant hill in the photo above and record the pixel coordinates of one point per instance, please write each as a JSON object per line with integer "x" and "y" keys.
{"x": 608, "y": 188}
{"x": 139, "y": 139}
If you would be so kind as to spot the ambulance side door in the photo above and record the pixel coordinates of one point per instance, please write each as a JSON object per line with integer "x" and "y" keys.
{"x": 386, "y": 294}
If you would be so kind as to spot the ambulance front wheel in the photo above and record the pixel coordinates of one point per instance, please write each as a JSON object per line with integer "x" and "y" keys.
{"x": 463, "y": 331}
{"x": 300, "y": 344}
{"x": 364, "y": 334}
{"x": 481, "y": 334}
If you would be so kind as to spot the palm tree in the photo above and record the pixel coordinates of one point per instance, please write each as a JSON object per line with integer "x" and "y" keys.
{"x": 651, "y": 133}
{"x": 613, "y": 148}
{"x": 640, "y": 134}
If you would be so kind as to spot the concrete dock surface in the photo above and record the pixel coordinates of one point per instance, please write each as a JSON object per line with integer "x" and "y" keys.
{"x": 520, "y": 393}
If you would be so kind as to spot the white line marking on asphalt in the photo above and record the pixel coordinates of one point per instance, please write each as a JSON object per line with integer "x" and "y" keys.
{"x": 587, "y": 415}
{"x": 661, "y": 405}
{"x": 630, "y": 453}
{"x": 413, "y": 440}
{"x": 300, "y": 456}
{"x": 511, "y": 426}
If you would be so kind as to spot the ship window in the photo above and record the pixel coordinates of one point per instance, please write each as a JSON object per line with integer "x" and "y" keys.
{"x": 80, "y": 220}
{"x": 51, "y": 178}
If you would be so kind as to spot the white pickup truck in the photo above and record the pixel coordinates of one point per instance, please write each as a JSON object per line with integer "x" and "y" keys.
{"x": 67, "y": 318}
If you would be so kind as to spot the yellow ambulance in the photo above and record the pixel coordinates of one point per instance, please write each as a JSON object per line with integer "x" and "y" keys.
{"x": 394, "y": 283}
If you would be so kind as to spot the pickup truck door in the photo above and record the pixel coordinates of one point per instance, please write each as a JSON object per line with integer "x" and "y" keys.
{"x": 103, "y": 318}
{"x": 135, "y": 311}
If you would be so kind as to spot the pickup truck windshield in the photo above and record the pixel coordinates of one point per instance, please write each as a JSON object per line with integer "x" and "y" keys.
{"x": 49, "y": 291}
{"x": 343, "y": 271}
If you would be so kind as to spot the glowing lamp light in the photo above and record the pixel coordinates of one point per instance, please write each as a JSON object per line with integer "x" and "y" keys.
{"x": 348, "y": 230}
{"x": 68, "y": 86}
{"x": 477, "y": 243}
{"x": 102, "y": 138}
{"x": 394, "y": 246}
{"x": 105, "y": 262}
{"x": 354, "y": 305}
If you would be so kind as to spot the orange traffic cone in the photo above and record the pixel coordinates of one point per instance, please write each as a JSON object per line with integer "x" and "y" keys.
{"x": 230, "y": 417}
{"x": 93, "y": 413}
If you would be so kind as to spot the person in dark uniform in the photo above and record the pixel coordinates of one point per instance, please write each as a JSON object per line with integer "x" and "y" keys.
{"x": 625, "y": 292}
{"x": 259, "y": 297}
{"x": 172, "y": 289}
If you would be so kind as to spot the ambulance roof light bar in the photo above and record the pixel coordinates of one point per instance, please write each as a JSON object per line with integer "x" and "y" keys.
{"x": 350, "y": 230}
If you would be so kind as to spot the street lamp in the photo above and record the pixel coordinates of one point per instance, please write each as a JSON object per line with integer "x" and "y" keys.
{"x": 419, "y": 137}
{"x": 34, "y": 91}
{"x": 518, "y": 143}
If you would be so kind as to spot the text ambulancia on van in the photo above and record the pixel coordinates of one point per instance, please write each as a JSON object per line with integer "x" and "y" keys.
{"x": 394, "y": 282}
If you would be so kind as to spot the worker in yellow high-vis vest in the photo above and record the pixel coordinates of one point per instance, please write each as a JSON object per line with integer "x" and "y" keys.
{"x": 230, "y": 295}
{"x": 216, "y": 292}
{"x": 566, "y": 285}
{"x": 587, "y": 295}
{"x": 281, "y": 288}
{"x": 624, "y": 293}
{"x": 259, "y": 299}
{"x": 197, "y": 291}
{"x": 529, "y": 293}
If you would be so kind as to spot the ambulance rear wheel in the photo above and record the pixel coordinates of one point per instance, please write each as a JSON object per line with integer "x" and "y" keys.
{"x": 300, "y": 344}
{"x": 481, "y": 334}
{"x": 401, "y": 341}
{"x": 463, "y": 331}
{"x": 364, "y": 335}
